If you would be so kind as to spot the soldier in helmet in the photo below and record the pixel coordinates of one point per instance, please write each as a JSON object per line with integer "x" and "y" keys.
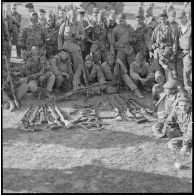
{"x": 115, "y": 71}
{"x": 164, "y": 44}
{"x": 185, "y": 47}
{"x": 42, "y": 19}
{"x": 123, "y": 41}
{"x": 51, "y": 33}
{"x": 70, "y": 36}
{"x": 90, "y": 72}
{"x": 170, "y": 101}
{"x": 30, "y": 7}
{"x": 62, "y": 69}
{"x": 16, "y": 28}
{"x": 32, "y": 35}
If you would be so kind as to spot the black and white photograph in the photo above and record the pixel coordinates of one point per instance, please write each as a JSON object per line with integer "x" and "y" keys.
{"x": 96, "y": 97}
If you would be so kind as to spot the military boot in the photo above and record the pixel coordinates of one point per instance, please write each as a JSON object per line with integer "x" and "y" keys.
{"x": 12, "y": 106}
{"x": 138, "y": 93}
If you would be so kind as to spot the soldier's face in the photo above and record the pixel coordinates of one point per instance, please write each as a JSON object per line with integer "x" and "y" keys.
{"x": 49, "y": 21}
{"x": 171, "y": 18}
{"x": 73, "y": 17}
{"x": 110, "y": 61}
{"x": 139, "y": 21}
{"x": 95, "y": 15}
{"x": 13, "y": 9}
{"x": 163, "y": 20}
{"x": 160, "y": 80}
{"x": 122, "y": 22}
{"x": 63, "y": 55}
{"x": 183, "y": 20}
{"x": 60, "y": 13}
{"x": 34, "y": 18}
{"x": 41, "y": 16}
{"x": 89, "y": 64}
{"x": 184, "y": 106}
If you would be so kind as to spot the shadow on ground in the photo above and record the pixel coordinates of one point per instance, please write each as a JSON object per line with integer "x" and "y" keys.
{"x": 82, "y": 139}
{"x": 91, "y": 178}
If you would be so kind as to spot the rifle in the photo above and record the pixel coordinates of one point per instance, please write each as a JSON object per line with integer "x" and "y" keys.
{"x": 18, "y": 105}
{"x": 70, "y": 93}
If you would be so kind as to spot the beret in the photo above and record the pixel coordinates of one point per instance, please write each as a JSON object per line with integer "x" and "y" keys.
{"x": 42, "y": 11}
{"x": 29, "y": 5}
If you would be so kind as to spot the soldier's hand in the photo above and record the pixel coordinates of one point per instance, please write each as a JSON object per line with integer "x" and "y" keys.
{"x": 42, "y": 78}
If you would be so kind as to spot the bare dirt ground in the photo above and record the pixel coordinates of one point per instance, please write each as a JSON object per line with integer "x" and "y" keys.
{"x": 123, "y": 157}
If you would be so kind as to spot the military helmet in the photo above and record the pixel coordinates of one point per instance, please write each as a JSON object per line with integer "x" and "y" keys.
{"x": 171, "y": 84}
{"x": 42, "y": 11}
{"x": 29, "y": 5}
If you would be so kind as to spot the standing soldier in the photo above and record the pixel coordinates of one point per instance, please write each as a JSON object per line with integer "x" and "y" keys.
{"x": 32, "y": 35}
{"x": 16, "y": 28}
{"x": 141, "y": 8}
{"x": 140, "y": 32}
{"x": 164, "y": 43}
{"x": 42, "y": 19}
{"x": 51, "y": 33}
{"x": 123, "y": 41}
{"x": 71, "y": 34}
{"x": 62, "y": 69}
{"x": 185, "y": 46}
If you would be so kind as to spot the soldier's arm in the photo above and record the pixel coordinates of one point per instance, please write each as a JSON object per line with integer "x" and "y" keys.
{"x": 132, "y": 72}
{"x": 153, "y": 38}
{"x": 22, "y": 38}
{"x": 54, "y": 67}
{"x": 70, "y": 70}
{"x": 60, "y": 36}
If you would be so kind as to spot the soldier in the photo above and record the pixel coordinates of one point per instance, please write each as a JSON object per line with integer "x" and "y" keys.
{"x": 71, "y": 34}
{"x": 170, "y": 101}
{"x": 179, "y": 126}
{"x": 157, "y": 89}
{"x": 123, "y": 40}
{"x": 141, "y": 8}
{"x": 91, "y": 73}
{"x": 170, "y": 7}
{"x": 51, "y": 32}
{"x": 42, "y": 19}
{"x": 32, "y": 35}
{"x": 62, "y": 69}
{"x": 60, "y": 18}
{"x": 140, "y": 32}
{"x": 141, "y": 73}
{"x": 16, "y": 29}
{"x": 116, "y": 70}
{"x": 38, "y": 73}
{"x": 185, "y": 46}
{"x": 100, "y": 46}
{"x": 149, "y": 10}
{"x": 164, "y": 43}
{"x": 30, "y": 8}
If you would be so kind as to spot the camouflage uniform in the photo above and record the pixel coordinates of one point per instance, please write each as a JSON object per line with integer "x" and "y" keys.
{"x": 185, "y": 46}
{"x": 31, "y": 35}
{"x": 69, "y": 38}
{"x": 164, "y": 43}
{"x": 59, "y": 67}
{"x": 122, "y": 36}
{"x": 16, "y": 30}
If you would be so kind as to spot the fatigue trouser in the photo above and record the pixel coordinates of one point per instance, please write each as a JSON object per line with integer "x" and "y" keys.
{"x": 129, "y": 82}
{"x": 75, "y": 52}
{"x": 187, "y": 72}
{"x": 62, "y": 81}
{"x": 125, "y": 58}
{"x": 15, "y": 34}
{"x": 148, "y": 84}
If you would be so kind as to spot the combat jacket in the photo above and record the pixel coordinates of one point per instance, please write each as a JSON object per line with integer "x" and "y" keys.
{"x": 170, "y": 103}
{"x": 122, "y": 36}
{"x": 43, "y": 23}
{"x": 93, "y": 75}
{"x": 32, "y": 35}
{"x": 177, "y": 118}
{"x": 58, "y": 66}
{"x": 16, "y": 18}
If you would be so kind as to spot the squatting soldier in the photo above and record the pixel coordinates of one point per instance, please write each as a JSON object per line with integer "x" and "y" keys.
{"x": 179, "y": 126}
{"x": 62, "y": 69}
{"x": 51, "y": 33}
{"x": 100, "y": 46}
{"x": 38, "y": 73}
{"x": 32, "y": 35}
{"x": 170, "y": 102}
{"x": 141, "y": 73}
{"x": 157, "y": 89}
{"x": 164, "y": 43}
{"x": 123, "y": 40}
{"x": 71, "y": 34}
{"x": 42, "y": 19}
{"x": 89, "y": 72}
{"x": 16, "y": 28}
{"x": 30, "y": 8}
{"x": 116, "y": 70}
{"x": 140, "y": 34}
{"x": 185, "y": 46}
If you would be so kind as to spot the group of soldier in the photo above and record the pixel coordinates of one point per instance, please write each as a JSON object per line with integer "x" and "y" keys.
{"x": 69, "y": 49}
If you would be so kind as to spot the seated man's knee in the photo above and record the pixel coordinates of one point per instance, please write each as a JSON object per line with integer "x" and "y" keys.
{"x": 22, "y": 90}
{"x": 33, "y": 86}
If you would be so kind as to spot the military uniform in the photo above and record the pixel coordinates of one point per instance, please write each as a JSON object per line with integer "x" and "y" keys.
{"x": 69, "y": 38}
{"x": 185, "y": 46}
{"x": 122, "y": 39}
{"x": 170, "y": 102}
{"x": 59, "y": 67}
{"x": 142, "y": 72}
{"x": 42, "y": 21}
{"x": 16, "y": 30}
{"x": 164, "y": 43}
{"x": 32, "y": 35}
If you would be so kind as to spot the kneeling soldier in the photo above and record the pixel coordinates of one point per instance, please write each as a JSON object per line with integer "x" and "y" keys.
{"x": 62, "y": 69}
{"x": 91, "y": 73}
{"x": 179, "y": 126}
